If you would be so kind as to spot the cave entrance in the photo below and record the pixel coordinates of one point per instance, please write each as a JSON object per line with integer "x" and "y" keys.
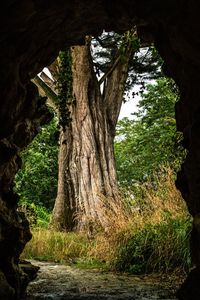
{"x": 151, "y": 213}
{"x": 175, "y": 31}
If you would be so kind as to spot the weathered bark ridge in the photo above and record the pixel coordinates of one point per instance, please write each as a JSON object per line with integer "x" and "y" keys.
{"x": 87, "y": 172}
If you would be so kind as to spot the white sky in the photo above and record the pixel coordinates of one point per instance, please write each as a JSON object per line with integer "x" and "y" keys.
{"x": 128, "y": 108}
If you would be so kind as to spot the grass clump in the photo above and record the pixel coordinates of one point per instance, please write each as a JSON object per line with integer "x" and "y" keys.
{"x": 151, "y": 235}
{"x": 154, "y": 248}
{"x": 56, "y": 246}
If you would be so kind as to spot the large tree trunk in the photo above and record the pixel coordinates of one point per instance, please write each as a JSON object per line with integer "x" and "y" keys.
{"x": 87, "y": 174}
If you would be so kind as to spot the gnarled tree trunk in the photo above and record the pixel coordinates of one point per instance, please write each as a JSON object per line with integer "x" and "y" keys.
{"x": 87, "y": 171}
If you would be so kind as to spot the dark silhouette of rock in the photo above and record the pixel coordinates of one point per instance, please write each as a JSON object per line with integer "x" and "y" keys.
{"x": 190, "y": 288}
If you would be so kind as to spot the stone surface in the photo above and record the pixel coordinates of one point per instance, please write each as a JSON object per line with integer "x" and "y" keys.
{"x": 32, "y": 32}
{"x": 58, "y": 282}
{"x": 7, "y": 292}
{"x": 29, "y": 269}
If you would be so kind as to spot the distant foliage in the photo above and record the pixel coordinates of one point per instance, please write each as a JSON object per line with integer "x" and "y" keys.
{"x": 36, "y": 182}
{"x": 150, "y": 139}
{"x": 38, "y": 216}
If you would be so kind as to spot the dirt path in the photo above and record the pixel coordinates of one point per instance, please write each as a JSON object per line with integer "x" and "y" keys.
{"x": 59, "y": 282}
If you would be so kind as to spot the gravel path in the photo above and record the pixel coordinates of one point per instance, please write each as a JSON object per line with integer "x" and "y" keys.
{"x": 60, "y": 282}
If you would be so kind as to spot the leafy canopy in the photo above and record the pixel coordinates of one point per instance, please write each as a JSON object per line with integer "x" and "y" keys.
{"x": 150, "y": 139}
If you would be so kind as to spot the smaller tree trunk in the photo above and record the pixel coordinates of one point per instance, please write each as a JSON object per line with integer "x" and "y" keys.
{"x": 64, "y": 212}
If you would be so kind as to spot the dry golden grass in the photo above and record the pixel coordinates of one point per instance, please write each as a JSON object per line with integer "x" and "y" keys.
{"x": 165, "y": 198}
{"x": 124, "y": 221}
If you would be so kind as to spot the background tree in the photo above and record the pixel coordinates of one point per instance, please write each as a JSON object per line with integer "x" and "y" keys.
{"x": 150, "y": 139}
{"x": 36, "y": 181}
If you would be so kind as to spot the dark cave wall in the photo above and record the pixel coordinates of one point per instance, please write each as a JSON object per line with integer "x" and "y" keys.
{"x": 32, "y": 33}
{"x": 178, "y": 43}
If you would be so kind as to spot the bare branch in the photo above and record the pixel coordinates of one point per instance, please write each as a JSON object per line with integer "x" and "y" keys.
{"x": 54, "y": 69}
{"x": 51, "y": 95}
{"x": 113, "y": 66}
{"x": 48, "y": 81}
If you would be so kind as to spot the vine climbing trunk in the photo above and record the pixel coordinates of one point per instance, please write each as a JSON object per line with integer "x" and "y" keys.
{"x": 87, "y": 174}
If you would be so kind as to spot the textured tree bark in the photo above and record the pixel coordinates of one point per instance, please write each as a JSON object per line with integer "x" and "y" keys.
{"x": 64, "y": 208}
{"x": 87, "y": 172}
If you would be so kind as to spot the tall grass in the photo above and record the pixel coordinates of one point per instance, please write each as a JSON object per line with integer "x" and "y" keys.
{"x": 142, "y": 234}
{"x": 151, "y": 235}
{"x": 56, "y": 246}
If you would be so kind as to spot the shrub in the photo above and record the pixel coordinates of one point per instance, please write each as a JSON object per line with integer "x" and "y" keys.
{"x": 38, "y": 216}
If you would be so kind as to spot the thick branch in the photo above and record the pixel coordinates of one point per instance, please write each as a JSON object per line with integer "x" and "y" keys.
{"x": 54, "y": 69}
{"x": 114, "y": 87}
{"x": 113, "y": 66}
{"x": 52, "y": 97}
{"x": 48, "y": 81}
{"x": 107, "y": 44}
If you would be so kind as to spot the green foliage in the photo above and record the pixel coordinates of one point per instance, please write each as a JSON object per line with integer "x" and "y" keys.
{"x": 43, "y": 217}
{"x": 144, "y": 64}
{"x": 105, "y": 50}
{"x": 38, "y": 216}
{"x": 91, "y": 263}
{"x": 150, "y": 140}
{"x": 36, "y": 182}
{"x": 151, "y": 236}
{"x": 129, "y": 39}
{"x": 156, "y": 248}
{"x": 111, "y": 46}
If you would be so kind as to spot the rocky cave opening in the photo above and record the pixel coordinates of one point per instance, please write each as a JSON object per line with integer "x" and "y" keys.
{"x": 32, "y": 33}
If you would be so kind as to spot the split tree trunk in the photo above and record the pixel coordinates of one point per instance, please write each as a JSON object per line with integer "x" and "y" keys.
{"x": 87, "y": 173}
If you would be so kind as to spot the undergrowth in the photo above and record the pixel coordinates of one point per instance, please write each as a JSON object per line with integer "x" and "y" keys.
{"x": 56, "y": 246}
{"x": 143, "y": 234}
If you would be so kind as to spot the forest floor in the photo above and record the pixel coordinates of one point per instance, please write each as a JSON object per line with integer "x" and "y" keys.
{"x": 59, "y": 282}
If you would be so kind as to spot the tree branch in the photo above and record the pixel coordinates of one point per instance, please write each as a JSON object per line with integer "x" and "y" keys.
{"x": 113, "y": 66}
{"x": 51, "y": 95}
{"x": 54, "y": 69}
{"x": 113, "y": 97}
{"x": 48, "y": 81}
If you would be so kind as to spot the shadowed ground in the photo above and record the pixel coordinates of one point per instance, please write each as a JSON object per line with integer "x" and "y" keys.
{"x": 61, "y": 282}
